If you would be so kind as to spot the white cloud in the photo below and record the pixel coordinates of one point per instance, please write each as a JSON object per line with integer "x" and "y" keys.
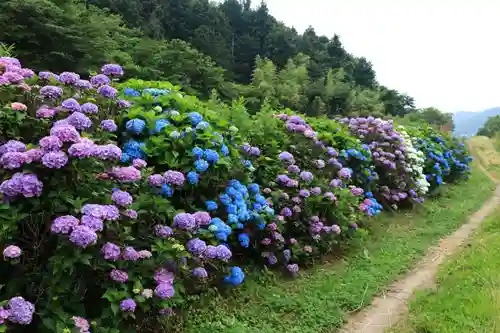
{"x": 444, "y": 53}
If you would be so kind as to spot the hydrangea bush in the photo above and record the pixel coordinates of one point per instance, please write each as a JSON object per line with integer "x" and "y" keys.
{"x": 121, "y": 203}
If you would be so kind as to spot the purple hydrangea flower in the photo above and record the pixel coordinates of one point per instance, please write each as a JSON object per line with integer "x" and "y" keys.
{"x": 165, "y": 290}
{"x": 51, "y": 92}
{"x": 89, "y": 108}
{"x": 304, "y": 193}
{"x": 82, "y": 149}
{"x": 196, "y": 246}
{"x": 45, "y": 75}
{"x": 107, "y": 91}
{"x": 111, "y": 251}
{"x": 164, "y": 276}
{"x": 82, "y": 324}
{"x": 12, "y": 146}
{"x": 210, "y": 252}
{"x": 126, "y": 174}
{"x": 287, "y": 212}
{"x": 174, "y": 178}
{"x": 130, "y": 254}
{"x": 293, "y": 268}
{"x": 202, "y": 218}
{"x": 306, "y": 176}
{"x": 12, "y": 160}
{"x": 223, "y": 253}
{"x": 163, "y": 231}
{"x": 66, "y": 133}
{"x": 99, "y": 80}
{"x": 83, "y": 84}
{"x": 139, "y": 163}
{"x": 71, "y": 105}
{"x": 93, "y": 223}
{"x": 185, "y": 221}
{"x": 293, "y": 168}
{"x": 200, "y": 272}
{"x": 64, "y": 224}
{"x": 22, "y": 183}
{"x": 357, "y": 191}
{"x": 69, "y": 78}
{"x": 109, "y": 125}
{"x": 50, "y": 143}
{"x": 316, "y": 191}
{"x": 335, "y": 183}
{"x": 20, "y": 311}
{"x": 112, "y": 70}
{"x": 286, "y": 156}
{"x": 128, "y": 305}
{"x": 156, "y": 180}
{"x": 123, "y": 104}
{"x": 345, "y": 173}
{"x": 118, "y": 276}
{"x": 54, "y": 160}
{"x": 107, "y": 152}
{"x": 130, "y": 213}
{"x": 79, "y": 120}
{"x": 82, "y": 236}
{"x": 122, "y": 198}
{"x": 12, "y": 252}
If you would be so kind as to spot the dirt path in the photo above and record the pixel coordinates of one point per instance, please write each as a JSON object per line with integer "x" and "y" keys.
{"x": 386, "y": 310}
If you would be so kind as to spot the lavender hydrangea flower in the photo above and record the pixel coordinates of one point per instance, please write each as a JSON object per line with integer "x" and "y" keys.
{"x": 12, "y": 146}
{"x": 107, "y": 152}
{"x": 64, "y": 224}
{"x": 82, "y": 324}
{"x": 335, "y": 183}
{"x": 184, "y": 221}
{"x": 82, "y": 236}
{"x": 286, "y": 156}
{"x": 111, "y": 251}
{"x": 202, "y": 218}
{"x": 293, "y": 268}
{"x": 51, "y": 92}
{"x": 163, "y": 231}
{"x": 83, "y": 84}
{"x": 107, "y": 91}
{"x": 165, "y": 290}
{"x": 174, "y": 178}
{"x": 306, "y": 176}
{"x": 55, "y": 160}
{"x": 128, "y": 305}
{"x": 69, "y": 78}
{"x": 79, "y": 120}
{"x": 43, "y": 75}
{"x": 126, "y": 174}
{"x": 112, "y": 70}
{"x": 109, "y": 125}
{"x": 89, "y": 108}
{"x": 223, "y": 253}
{"x": 130, "y": 254}
{"x": 164, "y": 276}
{"x": 139, "y": 163}
{"x": 20, "y": 311}
{"x": 50, "y": 143}
{"x": 123, "y": 104}
{"x": 66, "y": 133}
{"x": 71, "y": 105}
{"x": 200, "y": 272}
{"x": 156, "y": 180}
{"x": 99, "y": 80}
{"x": 22, "y": 183}
{"x": 122, "y": 198}
{"x": 196, "y": 246}
{"x": 93, "y": 223}
{"x": 130, "y": 213}
{"x": 12, "y": 160}
{"x": 82, "y": 149}
{"x": 118, "y": 276}
{"x": 12, "y": 252}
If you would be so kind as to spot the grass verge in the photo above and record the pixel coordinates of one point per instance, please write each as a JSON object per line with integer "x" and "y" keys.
{"x": 484, "y": 148}
{"x": 467, "y": 299}
{"x": 321, "y": 298}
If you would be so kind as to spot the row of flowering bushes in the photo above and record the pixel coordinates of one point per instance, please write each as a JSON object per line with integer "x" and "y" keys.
{"x": 120, "y": 203}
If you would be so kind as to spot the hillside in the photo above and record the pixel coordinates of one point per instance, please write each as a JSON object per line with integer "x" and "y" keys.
{"x": 468, "y": 123}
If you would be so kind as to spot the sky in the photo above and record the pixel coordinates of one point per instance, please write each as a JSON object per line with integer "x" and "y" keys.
{"x": 444, "y": 53}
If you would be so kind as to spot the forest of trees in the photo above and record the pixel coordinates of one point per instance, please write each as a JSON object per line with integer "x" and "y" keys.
{"x": 229, "y": 47}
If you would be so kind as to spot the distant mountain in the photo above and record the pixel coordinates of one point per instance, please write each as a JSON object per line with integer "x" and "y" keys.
{"x": 468, "y": 123}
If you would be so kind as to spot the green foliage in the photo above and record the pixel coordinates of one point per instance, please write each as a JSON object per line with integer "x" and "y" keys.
{"x": 491, "y": 128}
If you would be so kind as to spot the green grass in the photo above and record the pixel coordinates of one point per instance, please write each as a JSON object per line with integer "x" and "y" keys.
{"x": 467, "y": 299}
{"x": 321, "y": 298}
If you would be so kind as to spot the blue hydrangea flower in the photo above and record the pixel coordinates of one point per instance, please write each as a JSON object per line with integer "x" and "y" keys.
{"x": 167, "y": 190}
{"x": 254, "y": 188}
{"x": 160, "y": 125}
{"x": 236, "y": 277}
{"x": 193, "y": 177}
{"x": 201, "y": 165}
{"x": 195, "y": 118}
{"x": 197, "y": 152}
{"x": 135, "y": 126}
{"x": 211, "y": 205}
{"x": 244, "y": 240}
{"x": 203, "y": 125}
{"x": 125, "y": 158}
{"x": 131, "y": 92}
{"x": 224, "y": 150}
{"x": 211, "y": 156}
